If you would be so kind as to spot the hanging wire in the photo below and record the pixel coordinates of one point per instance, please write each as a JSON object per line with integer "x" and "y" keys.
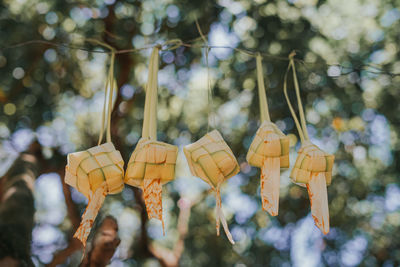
{"x": 176, "y": 43}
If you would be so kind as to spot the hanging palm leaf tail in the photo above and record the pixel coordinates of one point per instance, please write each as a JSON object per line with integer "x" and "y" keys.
{"x": 268, "y": 151}
{"x": 313, "y": 167}
{"x": 99, "y": 170}
{"x": 152, "y": 163}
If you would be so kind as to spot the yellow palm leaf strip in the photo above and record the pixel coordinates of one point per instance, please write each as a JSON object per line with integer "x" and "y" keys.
{"x": 318, "y": 194}
{"x": 154, "y": 96}
{"x": 111, "y": 82}
{"x": 109, "y": 91}
{"x": 150, "y": 109}
{"x": 297, "y": 88}
{"x": 270, "y": 181}
{"x": 264, "y": 113}
{"x": 219, "y": 216}
{"x": 299, "y": 128}
{"x": 103, "y": 113}
{"x": 152, "y": 194}
{"x": 88, "y": 217}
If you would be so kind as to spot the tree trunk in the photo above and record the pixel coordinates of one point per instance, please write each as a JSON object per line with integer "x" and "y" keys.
{"x": 17, "y": 210}
{"x": 103, "y": 245}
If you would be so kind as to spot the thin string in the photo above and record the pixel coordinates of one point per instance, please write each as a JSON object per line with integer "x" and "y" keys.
{"x": 297, "y": 88}
{"x": 104, "y": 111}
{"x": 296, "y": 121}
{"x": 110, "y": 97}
{"x": 109, "y": 92}
{"x": 210, "y": 104}
{"x": 172, "y": 44}
{"x": 264, "y": 112}
{"x": 378, "y": 70}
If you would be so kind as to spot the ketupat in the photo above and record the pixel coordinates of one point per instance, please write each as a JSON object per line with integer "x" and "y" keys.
{"x": 152, "y": 163}
{"x": 313, "y": 167}
{"x": 153, "y": 160}
{"x": 97, "y": 171}
{"x": 88, "y": 170}
{"x": 312, "y": 159}
{"x": 268, "y": 151}
{"x": 211, "y": 159}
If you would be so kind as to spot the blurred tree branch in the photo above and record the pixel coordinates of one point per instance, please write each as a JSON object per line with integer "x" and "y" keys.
{"x": 73, "y": 215}
{"x": 17, "y": 208}
{"x": 104, "y": 244}
{"x": 17, "y": 204}
{"x": 168, "y": 257}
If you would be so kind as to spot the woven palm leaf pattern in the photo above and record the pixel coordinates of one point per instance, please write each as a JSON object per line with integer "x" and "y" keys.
{"x": 151, "y": 165}
{"x": 211, "y": 159}
{"x": 269, "y": 142}
{"x": 151, "y": 160}
{"x": 311, "y": 160}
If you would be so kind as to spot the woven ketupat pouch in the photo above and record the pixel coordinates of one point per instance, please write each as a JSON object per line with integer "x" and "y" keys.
{"x": 211, "y": 159}
{"x": 95, "y": 173}
{"x": 270, "y": 152}
{"x": 313, "y": 167}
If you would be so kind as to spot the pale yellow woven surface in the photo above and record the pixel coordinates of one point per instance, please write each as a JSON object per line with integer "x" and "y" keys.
{"x": 311, "y": 159}
{"x": 211, "y": 159}
{"x": 269, "y": 141}
{"x": 87, "y": 170}
{"x": 151, "y": 160}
